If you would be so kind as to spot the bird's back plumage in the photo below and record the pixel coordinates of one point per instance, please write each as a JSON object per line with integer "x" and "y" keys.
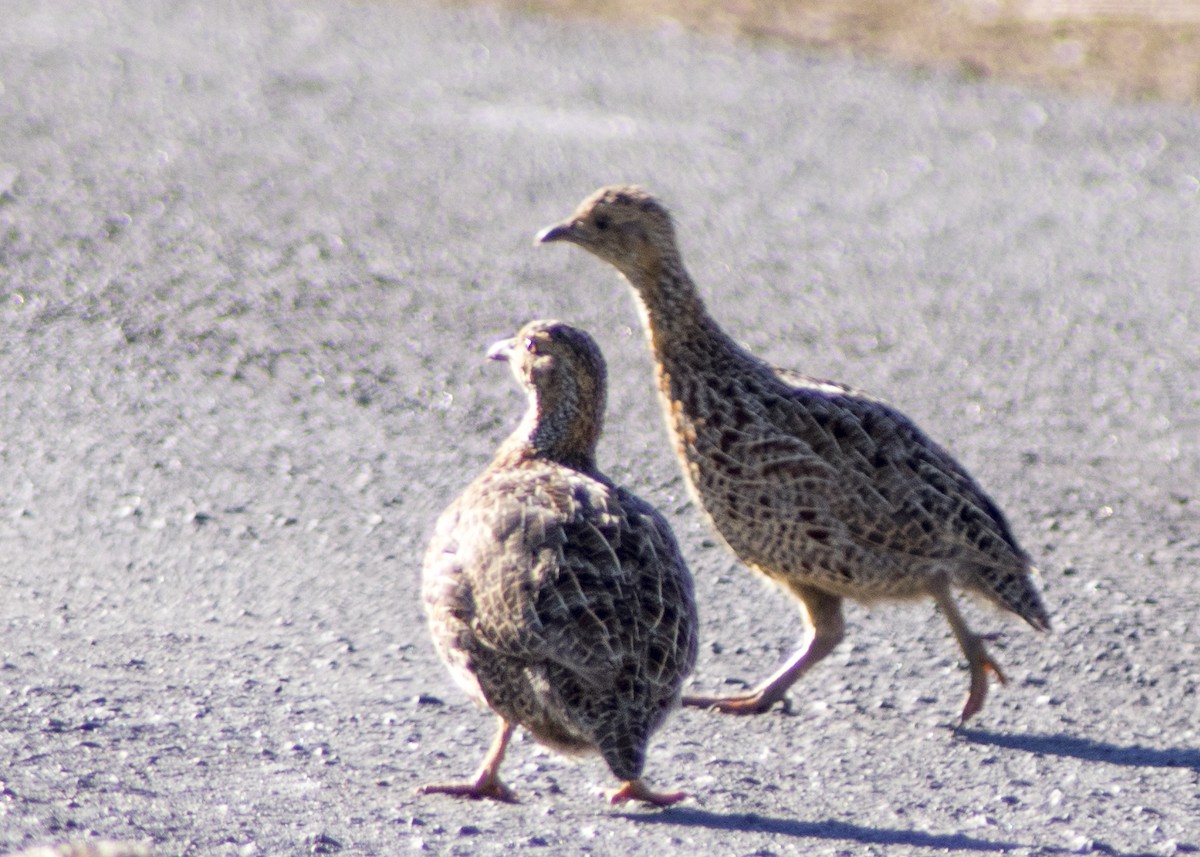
{"x": 547, "y": 594}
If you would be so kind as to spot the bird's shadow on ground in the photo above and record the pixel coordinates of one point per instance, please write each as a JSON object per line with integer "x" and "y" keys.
{"x": 830, "y": 829}
{"x": 827, "y": 829}
{"x": 1091, "y": 751}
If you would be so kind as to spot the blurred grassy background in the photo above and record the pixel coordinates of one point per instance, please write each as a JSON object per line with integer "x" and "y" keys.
{"x": 1122, "y": 49}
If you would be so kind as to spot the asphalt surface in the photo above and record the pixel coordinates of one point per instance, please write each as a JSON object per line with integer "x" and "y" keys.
{"x": 250, "y": 258}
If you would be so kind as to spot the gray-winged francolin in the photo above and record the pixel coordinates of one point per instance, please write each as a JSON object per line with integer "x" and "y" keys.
{"x": 557, "y": 599}
{"x": 829, "y": 492}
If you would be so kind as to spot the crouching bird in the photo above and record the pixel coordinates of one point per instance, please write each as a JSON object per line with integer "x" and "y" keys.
{"x": 557, "y": 599}
{"x": 825, "y": 490}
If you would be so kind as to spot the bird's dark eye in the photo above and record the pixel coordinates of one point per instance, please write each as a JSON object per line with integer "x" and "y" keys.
{"x": 602, "y": 223}
{"x": 530, "y": 346}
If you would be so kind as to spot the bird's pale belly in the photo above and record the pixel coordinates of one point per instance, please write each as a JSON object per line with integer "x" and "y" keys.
{"x": 781, "y": 534}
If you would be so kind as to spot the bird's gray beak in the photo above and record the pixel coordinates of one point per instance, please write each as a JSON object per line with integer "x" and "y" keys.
{"x": 559, "y": 232}
{"x": 500, "y": 350}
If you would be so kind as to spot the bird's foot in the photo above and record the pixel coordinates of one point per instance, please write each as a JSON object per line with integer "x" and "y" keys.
{"x": 637, "y": 790}
{"x": 979, "y": 687}
{"x": 489, "y": 787}
{"x": 750, "y": 702}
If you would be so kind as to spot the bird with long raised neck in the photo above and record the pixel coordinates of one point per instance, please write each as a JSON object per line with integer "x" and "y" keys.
{"x": 556, "y": 598}
{"x": 823, "y": 489}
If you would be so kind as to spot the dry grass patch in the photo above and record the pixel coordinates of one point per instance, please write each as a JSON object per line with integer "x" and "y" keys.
{"x": 1126, "y": 49}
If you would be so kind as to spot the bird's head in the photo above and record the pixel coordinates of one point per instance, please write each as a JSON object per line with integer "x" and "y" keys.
{"x": 562, "y": 370}
{"x": 545, "y": 354}
{"x": 623, "y": 224}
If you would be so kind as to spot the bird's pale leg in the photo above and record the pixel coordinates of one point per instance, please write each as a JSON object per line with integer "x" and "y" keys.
{"x": 980, "y": 662}
{"x": 823, "y": 613}
{"x": 638, "y": 790}
{"x": 487, "y": 782}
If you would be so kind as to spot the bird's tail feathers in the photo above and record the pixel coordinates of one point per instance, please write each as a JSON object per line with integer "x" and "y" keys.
{"x": 1017, "y": 591}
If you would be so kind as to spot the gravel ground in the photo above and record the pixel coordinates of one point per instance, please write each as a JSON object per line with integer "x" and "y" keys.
{"x": 250, "y": 257}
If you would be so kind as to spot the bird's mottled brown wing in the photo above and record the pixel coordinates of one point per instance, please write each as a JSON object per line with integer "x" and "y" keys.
{"x": 895, "y": 488}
